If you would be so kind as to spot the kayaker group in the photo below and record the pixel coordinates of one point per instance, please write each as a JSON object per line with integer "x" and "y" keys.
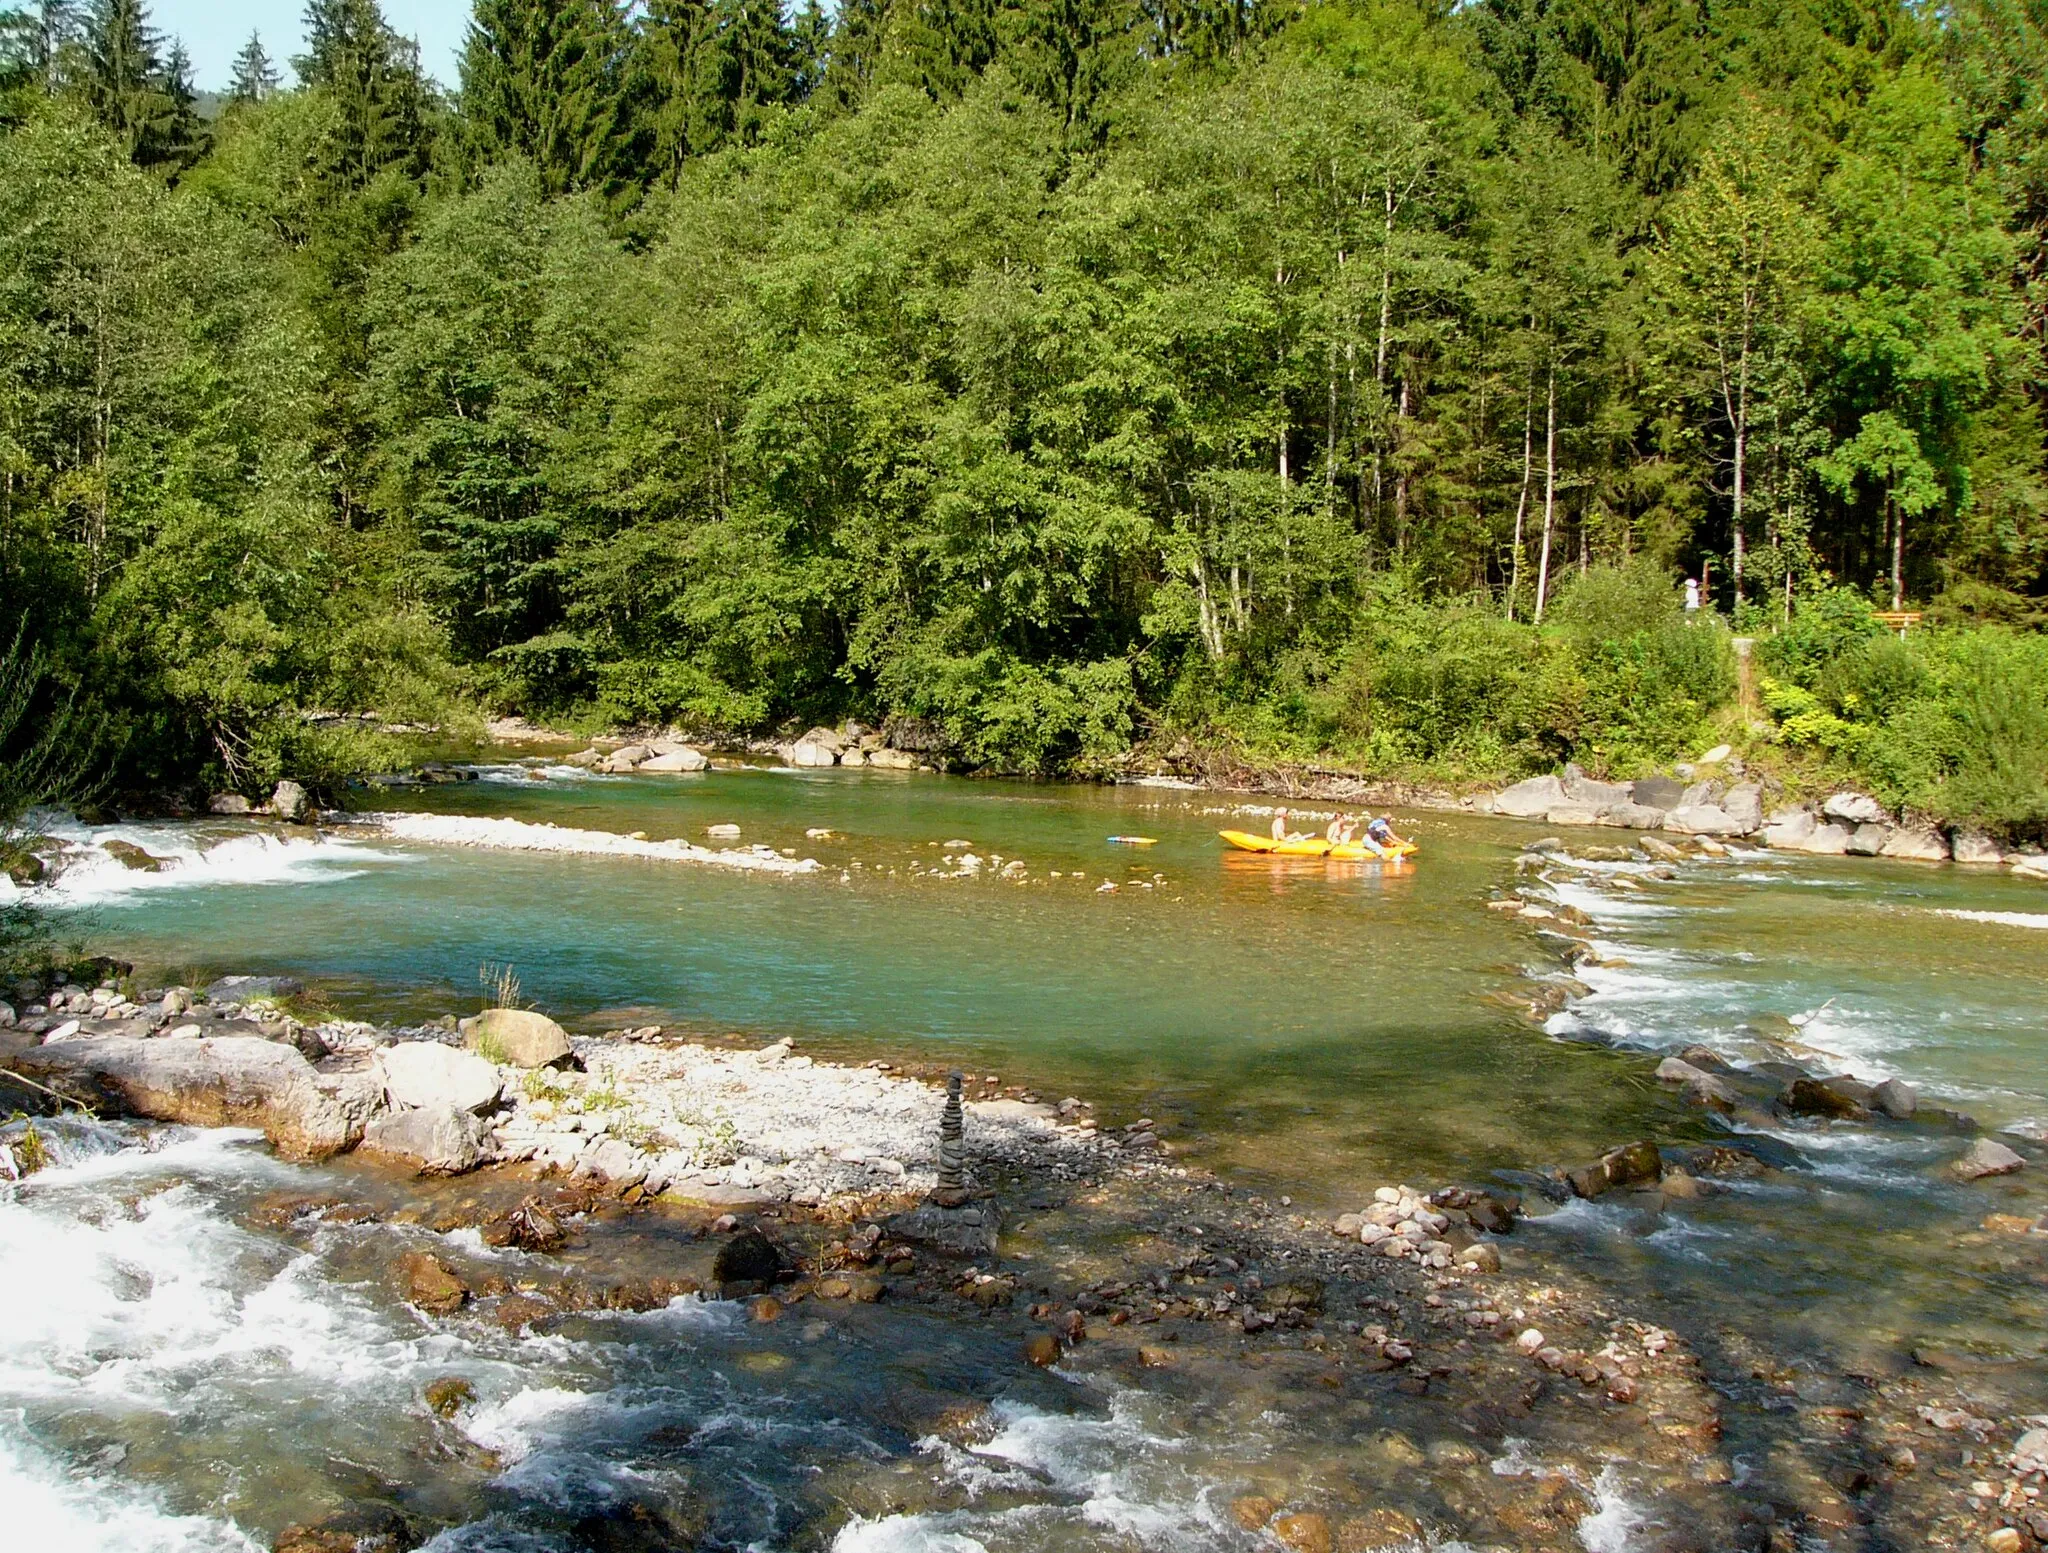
{"x": 1343, "y": 831}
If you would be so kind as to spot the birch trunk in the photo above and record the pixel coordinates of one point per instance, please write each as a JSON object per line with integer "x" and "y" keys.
{"x": 1549, "y": 489}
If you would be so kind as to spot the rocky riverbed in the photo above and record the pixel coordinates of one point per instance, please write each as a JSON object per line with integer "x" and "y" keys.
{"x": 1443, "y": 1378}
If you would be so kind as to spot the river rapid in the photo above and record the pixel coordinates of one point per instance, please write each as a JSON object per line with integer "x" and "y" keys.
{"x": 176, "y": 1376}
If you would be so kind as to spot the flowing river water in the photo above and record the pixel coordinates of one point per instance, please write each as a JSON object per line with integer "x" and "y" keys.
{"x": 174, "y": 1377}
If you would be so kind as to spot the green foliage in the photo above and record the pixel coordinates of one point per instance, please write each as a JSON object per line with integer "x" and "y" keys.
{"x": 1352, "y": 379}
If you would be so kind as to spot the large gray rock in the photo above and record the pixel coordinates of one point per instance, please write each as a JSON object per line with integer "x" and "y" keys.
{"x": 1598, "y": 795}
{"x": 1572, "y": 814}
{"x": 288, "y": 801}
{"x": 1659, "y": 792}
{"x": 892, "y": 760}
{"x": 1868, "y": 840}
{"x": 518, "y": 1036}
{"x": 426, "y": 1073}
{"x": 1823, "y": 841}
{"x": 228, "y": 803}
{"x": 1531, "y": 799}
{"x": 353, "y": 1084}
{"x": 1745, "y": 806}
{"x": 676, "y": 761}
{"x": 626, "y": 758}
{"x": 1701, "y": 819}
{"x": 436, "y": 1140}
{"x": 1853, "y": 809}
{"x": 230, "y": 1081}
{"x": 1916, "y": 843}
{"x": 1790, "y": 828}
{"x": 618, "y": 1162}
{"x": 1988, "y": 1158}
{"x": 808, "y": 752}
{"x": 1896, "y": 1099}
{"x": 1973, "y": 846}
{"x": 1701, "y": 795}
{"x": 1633, "y": 816}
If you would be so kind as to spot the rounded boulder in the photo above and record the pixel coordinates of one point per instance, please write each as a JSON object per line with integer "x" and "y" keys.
{"x": 518, "y": 1036}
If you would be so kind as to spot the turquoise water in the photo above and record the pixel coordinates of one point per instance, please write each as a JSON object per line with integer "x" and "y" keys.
{"x": 1245, "y": 1002}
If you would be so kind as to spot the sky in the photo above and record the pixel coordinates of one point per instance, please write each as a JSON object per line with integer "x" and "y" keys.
{"x": 215, "y": 30}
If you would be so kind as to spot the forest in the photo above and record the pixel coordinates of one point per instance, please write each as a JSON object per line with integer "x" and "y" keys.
{"x": 1351, "y": 381}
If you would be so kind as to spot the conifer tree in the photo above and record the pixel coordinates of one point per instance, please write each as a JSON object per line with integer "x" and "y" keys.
{"x": 374, "y": 78}
{"x": 42, "y": 43}
{"x": 546, "y": 80}
{"x": 129, "y": 87}
{"x": 255, "y": 77}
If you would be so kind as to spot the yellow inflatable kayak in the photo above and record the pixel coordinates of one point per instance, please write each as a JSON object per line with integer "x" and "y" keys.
{"x": 1316, "y": 846}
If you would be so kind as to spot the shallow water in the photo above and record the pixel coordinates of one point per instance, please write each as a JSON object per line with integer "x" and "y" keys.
{"x": 1309, "y": 1028}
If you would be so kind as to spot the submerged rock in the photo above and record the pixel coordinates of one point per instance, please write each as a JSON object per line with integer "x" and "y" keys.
{"x": 750, "y": 1257}
{"x": 130, "y": 856}
{"x": 430, "y": 1283}
{"x": 1633, "y": 1164}
{"x": 1701, "y": 1087}
{"x": 1830, "y": 1098}
{"x": 1988, "y": 1157}
{"x": 250, "y": 989}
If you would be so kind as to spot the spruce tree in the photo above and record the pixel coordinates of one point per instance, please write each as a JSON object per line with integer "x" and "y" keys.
{"x": 374, "y": 78}
{"x": 546, "y": 80}
{"x": 255, "y": 76}
{"x": 126, "y": 82}
{"x": 43, "y": 43}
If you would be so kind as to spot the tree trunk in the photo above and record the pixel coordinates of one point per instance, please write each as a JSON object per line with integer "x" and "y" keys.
{"x": 1549, "y": 490}
{"x": 1740, "y": 548}
{"x": 1522, "y": 501}
{"x": 1898, "y": 516}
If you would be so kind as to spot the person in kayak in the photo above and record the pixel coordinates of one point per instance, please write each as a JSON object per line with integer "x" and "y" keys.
{"x": 1339, "y": 830}
{"x": 1380, "y": 831}
{"x": 1279, "y": 824}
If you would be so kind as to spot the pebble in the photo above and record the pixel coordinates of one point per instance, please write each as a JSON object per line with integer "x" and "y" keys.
{"x": 1042, "y": 1349}
{"x": 1530, "y": 1342}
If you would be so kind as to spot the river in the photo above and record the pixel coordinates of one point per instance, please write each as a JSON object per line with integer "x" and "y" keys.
{"x": 1300, "y": 1028}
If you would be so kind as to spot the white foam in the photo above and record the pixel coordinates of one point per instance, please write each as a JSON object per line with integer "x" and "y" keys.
{"x": 195, "y": 856}
{"x": 1598, "y": 903}
{"x": 1616, "y": 1518}
{"x": 81, "y": 1513}
{"x": 2032, "y": 919}
{"x": 905, "y": 1534}
{"x": 506, "y": 835}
